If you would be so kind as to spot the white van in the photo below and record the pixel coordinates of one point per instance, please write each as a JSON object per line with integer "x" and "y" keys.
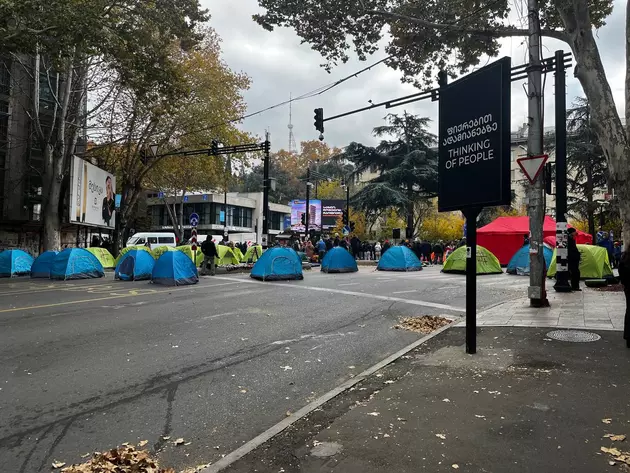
{"x": 154, "y": 239}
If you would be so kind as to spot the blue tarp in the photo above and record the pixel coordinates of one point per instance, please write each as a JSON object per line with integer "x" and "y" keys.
{"x": 174, "y": 268}
{"x": 135, "y": 266}
{"x": 519, "y": 264}
{"x": 15, "y": 263}
{"x": 43, "y": 264}
{"x": 76, "y": 263}
{"x": 277, "y": 264}
{"x": 339, "y": 260}
{"x": 399, "y": 258}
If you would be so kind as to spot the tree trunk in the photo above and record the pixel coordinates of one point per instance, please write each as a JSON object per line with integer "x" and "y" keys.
{"x": 590, "y": 208}
{"x": 606, "y": 122}
{"x": 180, "y": 217}
{"x": 52, "y": 195}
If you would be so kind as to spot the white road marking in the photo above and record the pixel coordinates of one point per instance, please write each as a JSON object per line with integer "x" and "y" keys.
{"x": 357, "y": 294}
{"x": 218, "y": 315}
{"x": 405, "y": 292}
{"x": 349, "y": 284}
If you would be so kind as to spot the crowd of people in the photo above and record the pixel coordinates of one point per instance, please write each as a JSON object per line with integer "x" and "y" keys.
{"x": 426, "y": 251}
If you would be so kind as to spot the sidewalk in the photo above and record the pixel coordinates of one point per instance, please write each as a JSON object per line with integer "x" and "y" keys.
{"x": 590, "y": 309}
{"x": 524, "y": 403}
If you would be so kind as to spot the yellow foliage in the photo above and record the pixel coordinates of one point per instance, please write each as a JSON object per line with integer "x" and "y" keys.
{"x": 581, "y": 225}
{"x": 445, "y": 226}
{"x": 390, "y": 220}
{"x": 360, "y": 229}
{"x": 295, "y": 164}
{"x": 330, "y": 190}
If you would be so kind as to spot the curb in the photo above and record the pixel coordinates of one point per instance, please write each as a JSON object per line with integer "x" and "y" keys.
{"x": 268, "y": 434}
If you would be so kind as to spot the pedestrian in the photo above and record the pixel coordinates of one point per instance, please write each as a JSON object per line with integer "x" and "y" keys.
{"x": 209, "y": 251}
{"x": 377, "y": 250}
{"x": 624, "y": 277}
{"x": 574, "y": 260}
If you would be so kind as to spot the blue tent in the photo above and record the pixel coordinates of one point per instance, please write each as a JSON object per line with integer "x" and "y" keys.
{"x": 399, "y": 258}
{"x": 135, "y": 266}
{"x": 339, "y": 260}
{"x": 519, "y": 264}
{"x": 42, "y": 264}
{"x": 278, "y": 264}
{"x": 174, "y": 268}
{"x": 76, "y": 263}
{"x": 15, "y": 263}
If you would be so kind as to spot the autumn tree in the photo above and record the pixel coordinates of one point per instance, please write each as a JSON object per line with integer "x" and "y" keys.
{"x": 424, "y": 37}
{"x": 64, "y": 46}
{"x": 360, "y": 227}
{"x": 213, "y": 95}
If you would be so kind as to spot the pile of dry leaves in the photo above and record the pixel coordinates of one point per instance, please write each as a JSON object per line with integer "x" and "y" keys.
{"x": 611, "y": 288}
{"x": 124, "y": 459}
{"x": 422, "y": 324}
{"x": 618, "y": 455}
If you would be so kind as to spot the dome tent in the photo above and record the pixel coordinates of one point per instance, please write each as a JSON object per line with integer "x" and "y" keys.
{"x": 76, "y": 263}
{"x": 487, "y": 263}
{"x": 129, "y": 248}
{"x": 15, "y": 263}
{"x": 135, "y": 265}
{"x": 339, "y": 260}
{"x": 104, "y": 256}
{"x": 160, "y": 250}
{"x": 399, "y": 258}
{"x": 174, "y": 268}
{"x": 226, "y": 256}
{"x": 594, "y": 263}
{"x": 187, "y": 250}
{"x": 519, "y": 264}
{"x": 42, "y": 265}
{"x": 277, "y": 264}
{"x": 253, "y": 253}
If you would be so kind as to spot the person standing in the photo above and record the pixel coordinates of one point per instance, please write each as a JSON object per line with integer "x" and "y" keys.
{"x": 209, "y": 251}
{"x": 574, "y": 260}
{"x": 377, "y": 250}
{"x": 624, "y": 276}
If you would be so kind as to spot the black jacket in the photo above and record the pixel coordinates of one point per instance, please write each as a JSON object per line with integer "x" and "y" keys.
{"x": 624, "y": 272}
{"x": 574, "y": 254}
{"x": 209, "y": 249}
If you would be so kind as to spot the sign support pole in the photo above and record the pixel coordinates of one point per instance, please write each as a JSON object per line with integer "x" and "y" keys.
{"x": 265, "y": 209}
{"x": 535, "y": 208}
{"x": 308, "y": 198}
{"x": 471, "y": 215}
{"x": 562, "y": 253}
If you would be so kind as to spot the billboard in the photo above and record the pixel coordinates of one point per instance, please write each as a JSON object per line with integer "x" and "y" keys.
{"x": 298, "y": 208}
{"x": 92, "y": 195}
{"x": 331, "y": 211}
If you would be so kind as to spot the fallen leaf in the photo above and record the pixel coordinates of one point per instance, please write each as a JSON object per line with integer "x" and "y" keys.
{"x": 389, "y": 381}
{"x": 375, "y": 414}
{"x": 455, "y": 466}
{"x": 606, "y": 421}
{"x": 166, "y": 437}
{"x": 611, "y": 451}
{"x": 179, "y": 441}
{"x": 143, "y": 443}
{"x": 351, "y": 367}
{"x": 386, "y": 436}
{"x": 243, "y": 390}
{"x": 286, "y": 368}
{"x": 422, "y": 324}
{"x": 187, "y": 443}
{"x": 441, "y": 436}
{"x": 85, "y": 455}
{"x": 480, "y": 417}
{"x": 611, "y": 463}
{"x": 618, "y": 438}
{"x": 288, "y": 413}
{"x": 379, "y": 375}
{"x": 58, "y": 464}
{"x": 446, "y": 400}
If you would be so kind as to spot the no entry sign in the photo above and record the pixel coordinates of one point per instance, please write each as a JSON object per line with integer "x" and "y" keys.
{"x": 474, "y": 134}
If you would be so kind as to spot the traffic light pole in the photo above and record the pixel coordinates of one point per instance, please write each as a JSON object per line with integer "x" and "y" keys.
{"x": 347, "y": 204}
{"x": 562, "y": 253}
{"x": 265, "y": 223}
{"x": 308, "y": 198}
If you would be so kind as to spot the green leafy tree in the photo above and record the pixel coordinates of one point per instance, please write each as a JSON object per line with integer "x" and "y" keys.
{"x": 424, "y": 37}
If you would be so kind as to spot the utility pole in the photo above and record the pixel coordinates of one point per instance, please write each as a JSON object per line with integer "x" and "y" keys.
{"x": 225, "y": 193}
{"x": 535, "y": 209}
{"x": 308, "y": 195}
{"x": 562, "y": 253}
{"x": 348, "y": 203}
{"x": 409, "y": 229}
{"x": 267, "y": 148}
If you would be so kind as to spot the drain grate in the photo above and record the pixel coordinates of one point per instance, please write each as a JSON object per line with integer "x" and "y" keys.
{"x": 578, "y": 336}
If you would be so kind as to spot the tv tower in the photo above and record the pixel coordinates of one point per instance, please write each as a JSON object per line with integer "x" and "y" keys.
{"x": 292, "y": 145}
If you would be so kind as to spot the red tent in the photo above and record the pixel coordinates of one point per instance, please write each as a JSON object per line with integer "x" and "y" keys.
{"x": 504, "y": 236}
{"x": 582, "y": 238}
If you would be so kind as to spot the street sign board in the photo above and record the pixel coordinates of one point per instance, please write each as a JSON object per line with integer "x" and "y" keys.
{"x": 474, "y": 139}
{"x": 532, "y": 166}
{"x": 194, "y": 219}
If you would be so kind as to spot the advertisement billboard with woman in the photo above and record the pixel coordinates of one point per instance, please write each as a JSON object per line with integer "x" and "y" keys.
{"x": 92, "y": 195}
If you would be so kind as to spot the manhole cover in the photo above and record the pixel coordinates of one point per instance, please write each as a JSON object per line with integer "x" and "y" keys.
{"x": 578, "y": 336}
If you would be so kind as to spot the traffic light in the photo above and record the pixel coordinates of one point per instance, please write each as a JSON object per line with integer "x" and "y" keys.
{"x": 214, "y": 148}
{"x": 343, "y": 182}
{"x": 345, "y": 217}
{"x": 351, "y": 226}
{"x": 303, "y": 219}
{"x": 319, "y": 119}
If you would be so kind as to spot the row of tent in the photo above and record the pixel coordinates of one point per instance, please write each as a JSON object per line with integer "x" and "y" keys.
{"x": 173, "y": 268}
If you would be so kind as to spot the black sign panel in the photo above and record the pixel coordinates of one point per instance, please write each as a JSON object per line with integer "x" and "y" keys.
{"x": 331, "y": 211}
{"x": 474, "y": 148}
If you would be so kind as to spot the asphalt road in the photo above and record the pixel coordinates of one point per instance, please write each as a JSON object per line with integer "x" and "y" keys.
{"x": 88, "y": 365}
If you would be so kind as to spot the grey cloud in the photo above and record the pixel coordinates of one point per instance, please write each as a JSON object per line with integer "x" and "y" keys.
{"x": 279, "y": 65}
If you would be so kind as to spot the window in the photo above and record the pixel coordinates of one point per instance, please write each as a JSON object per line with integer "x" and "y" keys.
{"x": 36, "y": 211}
{"x": 276, "y": 218}
{"x": 166, "y": 240}
{"x": 247, "y": 218}
{"x": 236, "y": 216}
{"x": 139, "y": 241}
{"x": 206, "y": 214}
{"x": 47, "y": 84}
{"x": 153, "y": 240}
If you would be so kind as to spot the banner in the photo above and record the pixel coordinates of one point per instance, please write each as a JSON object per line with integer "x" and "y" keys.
{"x": 298, "y": 208}
{"x": 92, "y": 195}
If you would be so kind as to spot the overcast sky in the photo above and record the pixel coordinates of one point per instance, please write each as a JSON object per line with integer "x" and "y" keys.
{"x": 279, "y": 65}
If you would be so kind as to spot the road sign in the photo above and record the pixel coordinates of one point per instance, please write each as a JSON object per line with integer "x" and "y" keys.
{"x": 194, "y": 219}
{"x": 193, "y": 237}
{"x": 474, "y": 142}
{"x": 532, "y": 166}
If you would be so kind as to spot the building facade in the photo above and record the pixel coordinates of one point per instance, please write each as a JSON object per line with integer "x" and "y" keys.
{"x": 244, "y": 213}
